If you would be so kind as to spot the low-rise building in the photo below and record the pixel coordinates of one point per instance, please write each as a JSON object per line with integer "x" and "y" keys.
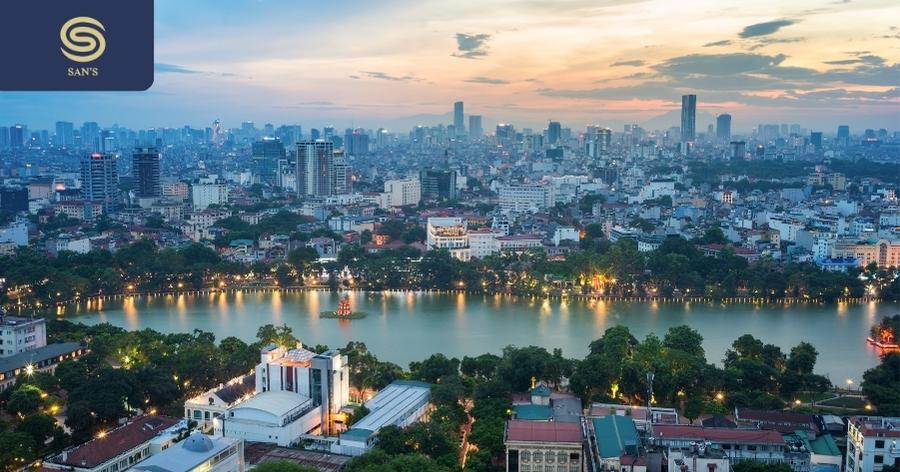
{"x": 215, "y": 402}
{"x": 872, "y": 443}
{"x": 198, "y": 453}
{"x": 19, "y": 334}
{"x": 42, "y": 359}
{"x": 765, "y": 446}
{"x": 543, "y": 446}
{"x": 401, "y": 403}
{"x": 121, "y": 448}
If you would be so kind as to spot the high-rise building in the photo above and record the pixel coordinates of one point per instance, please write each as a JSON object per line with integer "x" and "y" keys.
{"x": 146, "y": 171}
{"x": 815, "y": 138}
{"x": 723, "y": 127}
{"x": 458, "y": 118}
{"x": 341, "y": 175}
{"x": 843, "y": 134}
{"x": 554, "y": 132}
{"x": 738, "y": 150}
{"x": 356, "y": 142}
{"x": 17, "y": 137}
{"x": 90, "y": 135}
{"x": 315, "y": 168}
{"x": 100, "y": 180}
{"x": 475, "y": 129}
{"x": 438, "y": 184}
{"x": 4, "y": 137}
{"x": 65, "y": 136}
{"x": 688, "y": 118}
{"x": 265, "y": 157}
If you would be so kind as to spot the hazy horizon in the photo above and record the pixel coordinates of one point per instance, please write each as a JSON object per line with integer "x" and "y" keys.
{"x": 392, "y": 64}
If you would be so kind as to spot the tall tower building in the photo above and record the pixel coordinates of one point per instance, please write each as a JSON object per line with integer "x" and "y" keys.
{"x": 458, "y": 118}
{"x": 17, "y": 137}
{"x": 265, "y": 156}
{"x": 475, "y": 129}
{"x": 65, "y": 136}
{"x": 723, "y": 127}
{"x": 315, "y": 168}
{"x": 100, "y": 180}
{"x": 688, "y": 118}
{"x": 843, "y": 134}
{"x": 554, "y": 132}
{"x": 145, "y": 168}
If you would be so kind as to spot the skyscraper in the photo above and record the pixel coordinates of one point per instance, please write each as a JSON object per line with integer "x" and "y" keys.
{"x": 4, "y": 137}
{"x": 688, "y": 118}
{"x": 843, "y": 134}
{"x": 17, "y": 137}
{"x": 100, "y": 180}
{"x": 315, "y": 168}
{"x": 265, "y": 155}
{"x": 65, "y": 136}
{"x": 438, "y": 184}
{"x": 356, "y": 142}
{"x": 554, "y": 132}
{"x": 145, "y": 169}
{"x": 723, "y": 127}
{"x": 815, "y": 138}
{"x": 459, "y": 118}
{"x": 475, "y": 129}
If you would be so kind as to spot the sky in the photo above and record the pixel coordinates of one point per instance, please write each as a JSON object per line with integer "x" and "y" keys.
{"x": 395, "y": 64}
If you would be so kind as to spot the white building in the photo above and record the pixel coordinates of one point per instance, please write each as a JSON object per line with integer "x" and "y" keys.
{"x": 450, "y": 233}
{"x": 565, "y": 233}
{"x": 526, "y": 198}
{"x": 401, "y": 403}
{"x": 198, "y": 453}
{"x": 403, "y": 192}
{"x": 215, "y": 402}
{"x": 18, "y": 334}
{"x": 209, "y": 191}
{"x": 483, "y": 243}
{"x": 872, "y": 443}
{"x": 297, "y": 392}
{"x": 16, "y": 232}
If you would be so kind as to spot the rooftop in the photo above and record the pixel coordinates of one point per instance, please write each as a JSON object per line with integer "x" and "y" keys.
{"x": 533, "y": 412}
{"x": 542, "y": 431}
{"x": 717, "y": 435}
{"x": 277, "y": 403}
{"x": 186, "y": 455}
{"x": 614, "y": 433}
{"x": 35, "y": 356}
{"x": 257, "y": 453}
{"x": 118, "y": 441}
{"x": 886, "y": 425}
{"x": 393, "y": 403}
{"x": 781, "y": 421}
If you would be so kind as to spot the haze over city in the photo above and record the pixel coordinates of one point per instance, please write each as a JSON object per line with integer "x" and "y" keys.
{"x": 397, "y": 64}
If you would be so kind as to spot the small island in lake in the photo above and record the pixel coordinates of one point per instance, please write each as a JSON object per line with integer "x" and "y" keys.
{"x": 883, "y": 335}
{"x": 344, "y": 312}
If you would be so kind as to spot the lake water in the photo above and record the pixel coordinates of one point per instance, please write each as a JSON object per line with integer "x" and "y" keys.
{"x": 407, "y": 326}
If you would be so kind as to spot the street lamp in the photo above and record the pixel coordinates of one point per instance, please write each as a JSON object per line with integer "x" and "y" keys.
{"x": 849, "y": 384}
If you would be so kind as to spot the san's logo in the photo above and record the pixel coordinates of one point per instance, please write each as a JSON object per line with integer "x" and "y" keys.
{"x": 82, "y": 39}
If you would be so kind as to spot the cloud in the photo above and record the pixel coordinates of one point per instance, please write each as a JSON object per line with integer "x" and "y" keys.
{"x": 766, "y": 28}
{"x": 173, "y": 69}
{"x": 634, "y": 63}
{"x": 479, "y": 79}
{"x": 724, "y": 42}
{"x": 471, "y": 46}
{"x": 385, "y": 76}
{"x": 718, "y": 64}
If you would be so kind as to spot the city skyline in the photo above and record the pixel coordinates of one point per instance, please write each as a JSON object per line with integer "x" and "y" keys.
{"x": 515, "y": 61}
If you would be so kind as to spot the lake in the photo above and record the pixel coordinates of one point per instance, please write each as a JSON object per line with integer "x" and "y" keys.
{"x": 407, "y": 326}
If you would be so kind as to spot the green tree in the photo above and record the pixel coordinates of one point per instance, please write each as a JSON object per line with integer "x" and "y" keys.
{"x": 881, "y": 385}
{"x": 39, "y": 426}
{"x": 25, "y": 399}
{"x": 16, "y": 449}
{"x": 685, "y": 339}
{"x": 693, "y": 408}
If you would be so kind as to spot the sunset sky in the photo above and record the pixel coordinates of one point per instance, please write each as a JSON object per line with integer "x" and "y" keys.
{"x": 396, "y": 63}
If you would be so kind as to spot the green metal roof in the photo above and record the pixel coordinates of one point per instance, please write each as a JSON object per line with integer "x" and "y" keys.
{"x": 541, "y": 391}
{"x": 613, "y": 433}
{"x": 823, "y": 445}
{"x": 533, "y": 412}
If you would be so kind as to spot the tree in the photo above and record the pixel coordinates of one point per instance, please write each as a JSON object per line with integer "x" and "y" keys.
{"x": 280, "y": 335}
{"x": 14, "y": 447}
{"x": 685, "y": 339}
{"x": 25, "y": 399}
{"x": 282, "y": 466}
{"x": 39, "y": 426}
{"x": 434, "y": 368}
{"x": 393, "y": 440}
{"x": 802, "y": 358}
{"x": 881, "y": 385}
{"x": 693, "y": 408}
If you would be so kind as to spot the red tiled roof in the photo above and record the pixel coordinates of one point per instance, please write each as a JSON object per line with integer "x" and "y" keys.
{"x": 541, "y": 431}
{"x": 782, "y": 421}
{"x": 120, "y": 440}
{"x": 722, "y": 435}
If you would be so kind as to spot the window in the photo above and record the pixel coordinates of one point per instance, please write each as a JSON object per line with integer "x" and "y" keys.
{"x": 879, "y": 459}
{"x": 879, "y": 444}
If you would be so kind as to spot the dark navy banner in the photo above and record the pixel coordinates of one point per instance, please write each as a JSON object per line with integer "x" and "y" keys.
{"x": 76, "y": 44}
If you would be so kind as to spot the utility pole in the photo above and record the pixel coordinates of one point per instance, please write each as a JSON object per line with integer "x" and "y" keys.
{"x": 650, "y": 403}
